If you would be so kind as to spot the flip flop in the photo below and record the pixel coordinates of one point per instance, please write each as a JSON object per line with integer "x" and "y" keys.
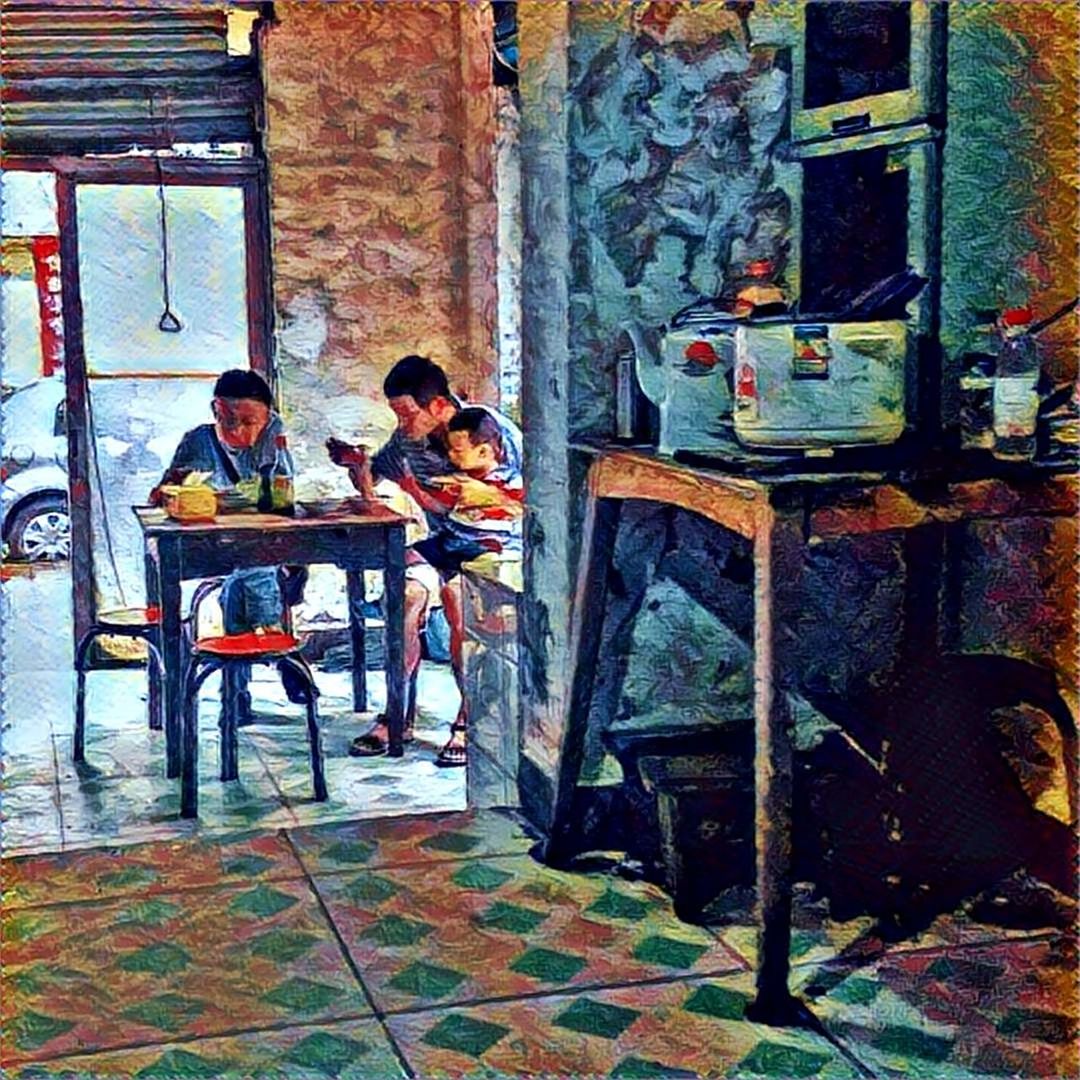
{"x": 369, "y": 745}
{"x": 453, "y": 757}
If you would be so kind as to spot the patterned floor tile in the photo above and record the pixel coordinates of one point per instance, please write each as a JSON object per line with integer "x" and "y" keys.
{"x": 412, "y": 784}
{"x": 137, "y": 809}
{"x": 146, "y": 869}
{"x": 680, "y": 1029}
{"x": 405, "y": 841}
{"x": 86, "y": 977}
{"x": 29, "y": 818}
{"x": 483, "y": 928}
{"x": 1007, "y": 1009}
{"x": 353, "y": 1050}
{"x": 817, "y": 940}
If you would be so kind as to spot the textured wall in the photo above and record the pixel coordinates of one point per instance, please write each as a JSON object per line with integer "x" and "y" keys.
{"x": 1012, "y": 213}
{"x": 382, "y": 202}
{"x": 673, "y": 125}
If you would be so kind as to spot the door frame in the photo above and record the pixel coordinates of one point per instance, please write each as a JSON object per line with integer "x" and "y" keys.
{"x": 250, "y": 175}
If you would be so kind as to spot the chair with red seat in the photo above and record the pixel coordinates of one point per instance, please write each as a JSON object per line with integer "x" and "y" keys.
{"x": 221, "y": 654}
{"x": 135, "y": 623}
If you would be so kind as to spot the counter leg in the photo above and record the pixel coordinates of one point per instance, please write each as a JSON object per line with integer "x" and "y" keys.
{"x": 354, "y": 581}
{"x": 590, "y": 603}
{"x": 394, "y": 599}
{"x": 777, "y": 546}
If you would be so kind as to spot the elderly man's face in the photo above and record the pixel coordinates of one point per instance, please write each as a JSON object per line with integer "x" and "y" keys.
{"x": 240, "y": 421}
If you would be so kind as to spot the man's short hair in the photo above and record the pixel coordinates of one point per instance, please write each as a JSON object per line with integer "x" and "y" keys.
{"x": 244, "y": 384}
{"x": 416, "y": 377}
{"x": 481, "y": 426}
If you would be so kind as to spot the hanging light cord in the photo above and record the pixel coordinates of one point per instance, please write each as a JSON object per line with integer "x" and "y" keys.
{"x": 168, "y": 322}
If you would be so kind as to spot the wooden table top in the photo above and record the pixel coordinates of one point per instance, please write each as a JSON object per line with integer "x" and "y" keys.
{"x": 328, "y": 514}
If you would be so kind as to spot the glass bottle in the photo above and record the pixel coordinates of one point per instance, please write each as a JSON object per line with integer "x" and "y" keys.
{"x": 281, "y": 479}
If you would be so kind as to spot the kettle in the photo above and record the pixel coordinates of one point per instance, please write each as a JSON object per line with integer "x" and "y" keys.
{"x": 687, "y": 376}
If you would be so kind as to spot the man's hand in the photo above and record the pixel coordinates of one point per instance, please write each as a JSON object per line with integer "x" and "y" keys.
{"x": 471, "y": 492}
{"x": 343, "y": 453}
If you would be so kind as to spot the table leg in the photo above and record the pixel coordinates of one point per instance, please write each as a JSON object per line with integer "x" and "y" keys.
{"x": 394, "y": 598}
{"x": 590, "y": 603}
{"x": 777, "y": 546}
{"x": 172, "y": 651}
{"x": 354, "y": 582}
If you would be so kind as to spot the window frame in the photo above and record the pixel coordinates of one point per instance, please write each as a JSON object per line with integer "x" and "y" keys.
{"x": 875, "y": 112}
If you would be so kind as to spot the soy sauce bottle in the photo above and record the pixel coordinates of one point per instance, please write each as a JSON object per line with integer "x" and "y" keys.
{"x": 281, "y": 479}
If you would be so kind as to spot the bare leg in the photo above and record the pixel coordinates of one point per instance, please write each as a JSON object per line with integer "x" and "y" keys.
{"x": 417, "y": 599}
{"x": 454, "y": 751}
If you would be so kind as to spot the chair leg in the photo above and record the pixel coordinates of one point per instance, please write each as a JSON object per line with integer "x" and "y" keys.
{"x": 299, "y": 664}
{"x": 230, "y": 710}
{"x": 79, "y": 748}
{"x": 155, "y": 676}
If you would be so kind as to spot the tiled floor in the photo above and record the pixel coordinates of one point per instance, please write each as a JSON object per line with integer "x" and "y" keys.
{"x": 121, "y": 795}
{"x": 437, "y": 946}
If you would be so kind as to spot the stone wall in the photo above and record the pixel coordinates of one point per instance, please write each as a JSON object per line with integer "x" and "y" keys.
{"x": 380, "y": 127}
{"x": 673, "y": 125}
{"x": 1012, "y": 187}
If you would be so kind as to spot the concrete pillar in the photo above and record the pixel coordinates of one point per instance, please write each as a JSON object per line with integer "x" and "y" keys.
{"x": 544, "y": 38}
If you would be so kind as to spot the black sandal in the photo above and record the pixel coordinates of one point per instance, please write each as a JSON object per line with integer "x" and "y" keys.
{"x": 371, "y": 745}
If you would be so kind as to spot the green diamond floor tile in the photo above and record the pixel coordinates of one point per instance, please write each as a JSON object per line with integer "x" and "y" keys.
{"x": 465, "y": 1034}
{"x": 592, "y": 1017}
{"x": 93, "y": 976}
{"x": 530, "y": 932}
{"x": 347, "y": 1050}
{"x": 668, "y": 952}
{"x": 426, "y": 980}
{"x": 546, "y": 965}
{"x": 639, "y": 1031}
{"x": 480, "y": 876}
{"x": 1003, "y": 1009}
{"x": 511, "y": 918}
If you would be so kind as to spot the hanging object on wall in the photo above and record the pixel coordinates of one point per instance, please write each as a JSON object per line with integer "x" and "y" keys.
{"x": 168, "y": 323}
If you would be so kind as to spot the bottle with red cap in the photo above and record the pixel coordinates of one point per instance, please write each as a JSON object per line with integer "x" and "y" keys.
{"x": 1016, "y": 398}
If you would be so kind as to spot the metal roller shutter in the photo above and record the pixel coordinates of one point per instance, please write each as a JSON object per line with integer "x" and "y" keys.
{"x": 98, "y": 78}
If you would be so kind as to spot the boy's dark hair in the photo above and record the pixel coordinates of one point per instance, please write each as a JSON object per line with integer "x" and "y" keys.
{"x": 419, "y": 378}
{"x": 244, "y": 384}
{"x": 481, "y": 426}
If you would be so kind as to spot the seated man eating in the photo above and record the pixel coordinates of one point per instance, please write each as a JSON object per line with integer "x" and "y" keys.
{"x": 419, "y": 458}
{"x": 237, "y": 447}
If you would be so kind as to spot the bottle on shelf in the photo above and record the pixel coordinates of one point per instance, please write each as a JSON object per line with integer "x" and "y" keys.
{"x": 1015, "y": 394}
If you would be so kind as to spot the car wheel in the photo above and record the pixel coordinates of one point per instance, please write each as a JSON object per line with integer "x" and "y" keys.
{"x": 41, "y": 530}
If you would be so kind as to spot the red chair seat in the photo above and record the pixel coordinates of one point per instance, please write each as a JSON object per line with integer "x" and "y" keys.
{"x": 237, "y": 646}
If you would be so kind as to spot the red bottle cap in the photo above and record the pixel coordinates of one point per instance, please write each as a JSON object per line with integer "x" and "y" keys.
{"x": 1019, "y": 316}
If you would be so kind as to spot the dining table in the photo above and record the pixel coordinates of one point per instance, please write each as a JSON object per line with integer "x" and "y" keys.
{"x": 349, "y": 533}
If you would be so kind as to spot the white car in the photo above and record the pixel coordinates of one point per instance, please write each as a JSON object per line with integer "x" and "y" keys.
{"x": 34, "y": 489}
